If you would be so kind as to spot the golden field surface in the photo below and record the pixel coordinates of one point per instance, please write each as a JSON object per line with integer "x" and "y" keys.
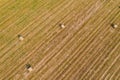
{"x": 88, "y": 48}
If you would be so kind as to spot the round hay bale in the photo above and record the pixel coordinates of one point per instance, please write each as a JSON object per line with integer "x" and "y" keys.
{"x": 20, "y": 37}
{"x": 62, "y": 25}
{"x": 29, "y": 67}
{"x": 114, "y": 25}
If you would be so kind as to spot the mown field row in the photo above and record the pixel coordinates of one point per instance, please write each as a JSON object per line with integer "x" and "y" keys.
{"x": 87, "y": 49}
{"x": 53, "y": 51}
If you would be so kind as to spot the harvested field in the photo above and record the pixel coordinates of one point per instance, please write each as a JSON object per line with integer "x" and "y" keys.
{"x": 59, "y": 40}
